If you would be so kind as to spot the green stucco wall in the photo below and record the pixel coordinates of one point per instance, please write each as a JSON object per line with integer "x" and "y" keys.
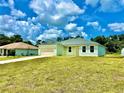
{"x": 26, "y": 52}
{"x": 60, "y": 50}
{"x": 77, "y": 51}
{"x": 101, "y": 50}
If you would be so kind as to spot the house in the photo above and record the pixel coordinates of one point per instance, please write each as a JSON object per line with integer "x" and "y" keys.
{"x": 122, "y": 52}
{"x": 18, "y": 49}
{"x": 74, "y": 47}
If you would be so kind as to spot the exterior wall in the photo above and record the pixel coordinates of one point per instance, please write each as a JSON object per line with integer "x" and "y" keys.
{"x": 122, "y": 52}
{"x": 60, "y": 50}
{"x": 47, "y": 49}
{"x": 101, "y": 50}
{"x": 88, "y": 53}
{"x": 74, "y": 51}
{"x": 26, "y": 52}
{"x": 63, "y": 50}
{"x": 77, "y": 51}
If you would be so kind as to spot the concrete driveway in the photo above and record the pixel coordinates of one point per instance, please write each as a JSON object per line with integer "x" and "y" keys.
{"x": 23, "y": 59}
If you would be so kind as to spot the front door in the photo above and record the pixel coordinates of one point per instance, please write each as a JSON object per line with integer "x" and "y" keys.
{"x": 77, "y": 51}
{"x": 70, "y": 51}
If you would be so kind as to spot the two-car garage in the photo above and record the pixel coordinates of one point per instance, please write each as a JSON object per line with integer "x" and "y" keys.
{"x": 47, "y": 49}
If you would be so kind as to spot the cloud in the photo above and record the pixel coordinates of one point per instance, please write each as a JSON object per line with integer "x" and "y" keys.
{"x": 107, "y": 5}
{"x": 80, "y": 28}
{"x": 14, "y": 12}
{"x": 7, "y": 3}
{"x": 73, "y": 27}
{"x": 55, "y": 12}
{"x": 95, "y": 25}
{"x": 11, "y": 4}
{"x": 74, "y": 30}
{"x": 27, "y": 29}
{"x": 111, "y": 6}
{"x": 103, "y": 29}
{"x": 50, "y": 34}
{"x": 3, "y": 3}
{"x": 17, "y": 13}
{"x": 84, "y": 34}
{"x": 116, "y": 27}
{"x": 70, "y": 26}
{"x": 93, "y": 3}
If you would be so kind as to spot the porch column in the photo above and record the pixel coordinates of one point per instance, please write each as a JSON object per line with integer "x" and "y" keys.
{"x": 2, "y": 52}
{"x": 6, "y": 52}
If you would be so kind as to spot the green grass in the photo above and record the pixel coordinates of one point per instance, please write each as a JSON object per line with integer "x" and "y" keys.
{"x": 9, "y": 57}
{"x": 64, "y": 75}
{"x": 113, "y": 55}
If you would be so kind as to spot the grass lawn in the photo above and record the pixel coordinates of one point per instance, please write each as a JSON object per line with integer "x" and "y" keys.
{"x": 64, "y": 75}
{"x": 9, "y": 57}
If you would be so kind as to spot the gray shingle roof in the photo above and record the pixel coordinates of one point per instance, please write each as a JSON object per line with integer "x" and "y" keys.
{"x": 77, "y": 41}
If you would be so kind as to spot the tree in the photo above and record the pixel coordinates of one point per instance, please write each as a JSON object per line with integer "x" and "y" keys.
{"x": 114, "y": 43}
{"x": 7, "y": 40}
{"x": 16, "y": 38}
{"x": 59, "y": 39}
{"x": 4, "y": 40}
{"x": 28, "y": 42}
{"x": 100, "y": 39}
{"x": 38, "y": 42}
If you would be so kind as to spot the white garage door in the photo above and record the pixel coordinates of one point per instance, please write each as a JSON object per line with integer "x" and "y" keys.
{"x": 47, "y": 50}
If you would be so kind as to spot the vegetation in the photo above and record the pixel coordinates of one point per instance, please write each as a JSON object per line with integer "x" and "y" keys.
{"x": 113, "y": 43}
{"x": 7, "y": 40}
{"x": 64, "y": 75}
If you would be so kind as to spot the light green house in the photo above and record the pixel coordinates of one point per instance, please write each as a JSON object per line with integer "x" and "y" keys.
{"x": 18, "y": 49}
{"x": 74, "y": 47}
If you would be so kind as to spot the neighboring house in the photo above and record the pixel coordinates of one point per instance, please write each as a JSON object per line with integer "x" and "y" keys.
{"x": 18, "y": 49}
{"x": 122, "y": 52}
{"x": 74, "y": 47}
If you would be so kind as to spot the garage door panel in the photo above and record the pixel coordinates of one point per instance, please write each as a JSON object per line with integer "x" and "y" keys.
{"x": 48, "y": 50}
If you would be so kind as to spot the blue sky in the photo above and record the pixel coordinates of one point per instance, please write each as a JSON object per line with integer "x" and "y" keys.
{"x": 49, "y": 19}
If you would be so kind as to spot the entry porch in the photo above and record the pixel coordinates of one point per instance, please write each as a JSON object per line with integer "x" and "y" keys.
{"x": 7, "y": 52}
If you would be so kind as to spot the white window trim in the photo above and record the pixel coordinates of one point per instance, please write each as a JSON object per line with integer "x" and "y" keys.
{"x": 94, "y": 49}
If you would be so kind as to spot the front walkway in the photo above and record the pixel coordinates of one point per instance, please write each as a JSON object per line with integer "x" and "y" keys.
{"x": 23, "y": 59}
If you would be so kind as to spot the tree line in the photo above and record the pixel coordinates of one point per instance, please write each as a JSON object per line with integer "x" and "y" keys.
{"x": 11, "y": 39}
{"x": 113, "y": 43}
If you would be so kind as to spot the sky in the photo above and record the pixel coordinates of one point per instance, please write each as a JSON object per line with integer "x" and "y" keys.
{"x": 48, "y": 19}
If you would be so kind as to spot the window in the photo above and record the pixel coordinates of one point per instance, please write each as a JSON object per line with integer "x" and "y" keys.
{"x": 83, "y": 48}
{"x": 69, "y": 49}
{"x": 91, "y": 48}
